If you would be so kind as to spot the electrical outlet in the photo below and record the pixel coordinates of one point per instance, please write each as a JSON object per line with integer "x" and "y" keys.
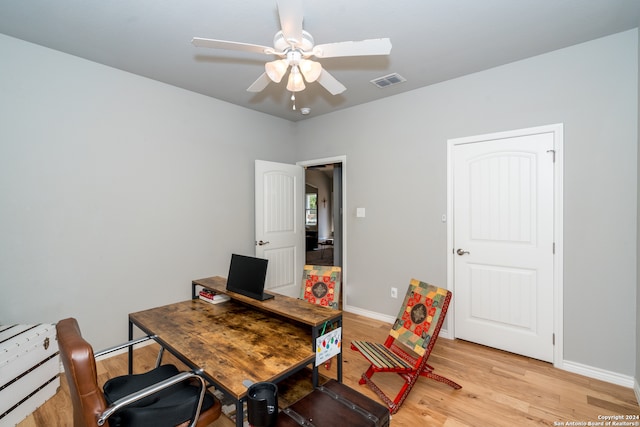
{"x": 394, "y": 292}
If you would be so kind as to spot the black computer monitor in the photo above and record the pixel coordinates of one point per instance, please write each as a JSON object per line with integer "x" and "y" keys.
{"x": 247, "y": 276}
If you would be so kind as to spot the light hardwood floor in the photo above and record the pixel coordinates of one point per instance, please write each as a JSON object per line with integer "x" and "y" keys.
{"x": 499, "y": 388}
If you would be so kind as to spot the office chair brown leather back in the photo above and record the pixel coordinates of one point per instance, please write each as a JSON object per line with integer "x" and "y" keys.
{"x": 90, "y": 403}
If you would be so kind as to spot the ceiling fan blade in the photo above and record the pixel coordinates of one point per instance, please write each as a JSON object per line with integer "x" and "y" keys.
{"x": 291, "y": 16}
{"x": 330, "y": 83}
{"x": 223, "y": 44}
{"x": 259, "y": 84}
{"x": 359, "y": 48}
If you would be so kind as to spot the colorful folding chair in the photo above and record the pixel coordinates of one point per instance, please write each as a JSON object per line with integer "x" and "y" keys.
{"x": 410, "y": 341}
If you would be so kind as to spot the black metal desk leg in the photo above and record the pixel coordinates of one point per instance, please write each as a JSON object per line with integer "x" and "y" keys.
{"x": 130, "y": 348}
{"x": 239, "y": 413}
{"x": 340, "y": 356}
{"x": 314, "y": 371}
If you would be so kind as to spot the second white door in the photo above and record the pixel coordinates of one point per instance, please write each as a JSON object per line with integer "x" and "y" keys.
{"x": 503, "y": 206}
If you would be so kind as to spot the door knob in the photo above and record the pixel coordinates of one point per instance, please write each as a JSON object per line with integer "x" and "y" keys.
{"x": 261, "y": 243}
{"x": 461, "y": 252}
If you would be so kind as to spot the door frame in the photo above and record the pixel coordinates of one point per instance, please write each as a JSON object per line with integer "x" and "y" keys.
{"x": 558, "y": 131}
{"x": 343, "y": 161}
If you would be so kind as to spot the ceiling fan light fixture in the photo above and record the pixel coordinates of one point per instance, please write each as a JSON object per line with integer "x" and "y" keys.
{"x": 294, "y": 46}
{"x": 295, "y": 83}
{"x": 276, "y": 69}
{"x": 310, "y": 70}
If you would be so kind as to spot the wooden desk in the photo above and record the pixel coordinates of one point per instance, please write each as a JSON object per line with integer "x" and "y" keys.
{"x": 229, "y": 343}
{"x": 314, "y": 316}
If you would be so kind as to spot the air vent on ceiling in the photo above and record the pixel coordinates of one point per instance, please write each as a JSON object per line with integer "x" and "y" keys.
{"x": 388, "y": 80}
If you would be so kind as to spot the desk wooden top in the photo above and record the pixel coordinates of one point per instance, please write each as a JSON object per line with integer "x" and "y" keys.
{"x": 292, "y": 308}
{"x": 230, "y": 342}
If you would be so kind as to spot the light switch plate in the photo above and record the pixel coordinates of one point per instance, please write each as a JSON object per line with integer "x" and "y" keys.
{"x": 360, "y": 212}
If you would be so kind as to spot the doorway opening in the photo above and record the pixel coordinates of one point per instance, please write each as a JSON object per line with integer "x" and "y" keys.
{"x": 324, "y": 222}
{"x": 319, "y": 218}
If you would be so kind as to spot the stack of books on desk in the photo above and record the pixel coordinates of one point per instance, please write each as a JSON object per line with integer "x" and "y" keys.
{"x": 212, "y": 297}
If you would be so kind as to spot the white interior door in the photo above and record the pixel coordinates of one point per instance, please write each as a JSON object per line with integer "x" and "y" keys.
{"x": 279, "y": 198}
{"x": 503, "y": 206}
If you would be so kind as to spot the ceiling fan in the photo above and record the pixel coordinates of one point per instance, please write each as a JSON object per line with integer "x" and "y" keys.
{"x": 295, "y": 46}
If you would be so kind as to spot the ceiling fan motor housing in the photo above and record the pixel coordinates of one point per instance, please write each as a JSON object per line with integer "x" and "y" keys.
{"x": 281, "y": 44}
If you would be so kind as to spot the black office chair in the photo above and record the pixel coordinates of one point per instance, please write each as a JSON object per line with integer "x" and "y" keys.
{"x": 161, "y": 397}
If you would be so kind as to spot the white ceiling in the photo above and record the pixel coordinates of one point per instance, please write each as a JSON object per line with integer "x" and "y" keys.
{"x": 433, "y": 40}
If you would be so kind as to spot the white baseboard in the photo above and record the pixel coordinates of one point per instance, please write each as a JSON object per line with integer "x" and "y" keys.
{"x": 370, "y": 314}
{"x": 636, "y": 390}
{"x": 599, "y": 374}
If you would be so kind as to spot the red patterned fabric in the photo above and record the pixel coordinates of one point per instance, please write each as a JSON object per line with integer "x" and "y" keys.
{"x": 414, "y": 325}
{"x": 321, "y": 285}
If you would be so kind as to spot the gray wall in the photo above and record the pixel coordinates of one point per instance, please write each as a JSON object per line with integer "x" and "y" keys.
{"x": 397, "y": 170}
{"x": 116, "y": 191}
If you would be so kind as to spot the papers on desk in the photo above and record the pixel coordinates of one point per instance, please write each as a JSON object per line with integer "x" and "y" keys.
{"x": 212, "y": 297}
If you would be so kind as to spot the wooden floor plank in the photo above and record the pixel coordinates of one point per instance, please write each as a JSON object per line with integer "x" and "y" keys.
{"x": 499, "y": 388}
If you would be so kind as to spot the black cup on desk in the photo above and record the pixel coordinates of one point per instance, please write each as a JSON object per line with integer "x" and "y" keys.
{"x": 262, "y": 404}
